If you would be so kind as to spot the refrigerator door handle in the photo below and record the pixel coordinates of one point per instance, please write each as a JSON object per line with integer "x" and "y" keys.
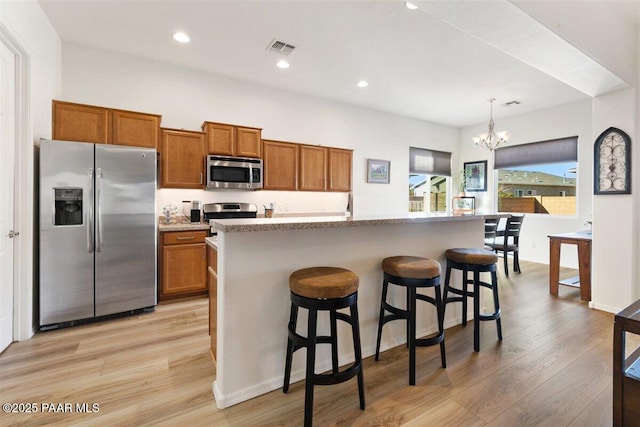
{"x": 98, "y": 210}
{"x": 90, "y": 241}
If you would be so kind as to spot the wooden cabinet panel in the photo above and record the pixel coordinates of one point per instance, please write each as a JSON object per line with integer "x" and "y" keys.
{"x": 88, "y": 123}
{"x": 230, "y": 140}
{"x": 280, "y": 165}
{"x": 184, "y": 269}
{"x": 135, "y": 129}
{"x": 182, "y": 159}
{"x": 182, "y": 264}
{"x": 77, "y": 122}
{"x": 313, "y": 168}
{"x": 248, "y": 142}
{"x": 220, "y": 138}
{"x": 213, "y": 298}
{"x": 339, "y": 169}
{"x": 183, "y": 237}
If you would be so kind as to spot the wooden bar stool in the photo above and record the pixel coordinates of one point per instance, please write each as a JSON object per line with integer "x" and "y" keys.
{"x": 412, "y": 272}
{"x": 476, "y": 261}
{"x": 329, "y": 289}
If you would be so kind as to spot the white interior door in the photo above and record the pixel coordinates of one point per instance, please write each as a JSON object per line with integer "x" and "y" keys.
{"x": 7, "y": 145}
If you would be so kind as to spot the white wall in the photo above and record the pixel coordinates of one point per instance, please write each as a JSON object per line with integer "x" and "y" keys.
{"x": 614, "y": 265}
{"x": 187, "y": 97}
{"x": 565, "y": 120}
{"x": 25, "y": 23}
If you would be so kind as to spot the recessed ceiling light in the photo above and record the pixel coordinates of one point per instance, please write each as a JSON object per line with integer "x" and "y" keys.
{"x": 181, "y": 37}
{"x": 282, "y": 64}
{"x": 363, "y": 83}
{"x": 410, "y": 5}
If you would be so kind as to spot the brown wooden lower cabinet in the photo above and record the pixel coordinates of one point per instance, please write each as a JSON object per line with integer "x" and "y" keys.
{"x": 213, "y": 298}
{"x": 183, "y": 264}
{"x": 626, "y": 368}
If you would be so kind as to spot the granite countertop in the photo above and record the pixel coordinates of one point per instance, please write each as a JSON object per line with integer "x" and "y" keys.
{"x": 288, "y": 223}
{"x": 182, "y": 224}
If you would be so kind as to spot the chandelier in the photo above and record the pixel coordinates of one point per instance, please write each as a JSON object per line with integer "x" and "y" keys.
{"x": 491, "y": 140}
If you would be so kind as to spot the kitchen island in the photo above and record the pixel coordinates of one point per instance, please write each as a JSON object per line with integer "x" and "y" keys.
{"x": 255, "y": 258}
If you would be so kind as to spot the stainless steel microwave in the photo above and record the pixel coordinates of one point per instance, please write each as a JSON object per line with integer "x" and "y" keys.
{"x": 239, "y": 173}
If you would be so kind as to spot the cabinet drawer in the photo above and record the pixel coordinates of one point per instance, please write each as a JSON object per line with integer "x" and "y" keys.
{"x": 183, "y": 237}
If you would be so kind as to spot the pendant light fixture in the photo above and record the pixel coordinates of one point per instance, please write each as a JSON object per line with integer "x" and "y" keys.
{"x": 491, "y": 140}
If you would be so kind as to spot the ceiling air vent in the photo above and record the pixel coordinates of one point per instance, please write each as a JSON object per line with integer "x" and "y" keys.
{"x": 510, "y": 103}
{"x": 280, "y": 47}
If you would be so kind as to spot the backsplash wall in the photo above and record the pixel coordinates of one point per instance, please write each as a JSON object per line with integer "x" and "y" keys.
{"x": 284, "y": 201}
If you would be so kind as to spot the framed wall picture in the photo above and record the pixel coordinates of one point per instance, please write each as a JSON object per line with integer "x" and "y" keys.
{"x": 612, "y": 158}
{"x": 378, "y": 171}
{"x": 475, "y": 174}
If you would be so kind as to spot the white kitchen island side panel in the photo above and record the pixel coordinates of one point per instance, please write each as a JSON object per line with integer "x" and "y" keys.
{"x": 254, "y": 303}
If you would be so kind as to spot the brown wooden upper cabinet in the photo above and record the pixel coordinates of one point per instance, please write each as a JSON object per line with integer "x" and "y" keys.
{"x": 313, "y": 168}
{"x": 88, "y": 123}
{"x": 231, "y": 140}
{"x": 339, "y": 174}
{"x": 182, "y": 159}
{"x": 281, "y": 160}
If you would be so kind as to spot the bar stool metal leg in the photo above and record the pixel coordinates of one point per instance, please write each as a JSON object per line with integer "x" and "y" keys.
{"x": 358, "y": 352}
{"x": 311, "y": 363}
{"x": 293, "y": 319}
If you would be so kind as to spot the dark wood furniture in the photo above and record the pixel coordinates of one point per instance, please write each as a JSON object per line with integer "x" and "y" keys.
{"x": 583, "y": 240}
{"x": 508, "y": 240}
{"x": 626, "y": 370}
{"x": 476, "y": 261}
{"x": 323, "y": 289}
{"x": 412, "y": 273}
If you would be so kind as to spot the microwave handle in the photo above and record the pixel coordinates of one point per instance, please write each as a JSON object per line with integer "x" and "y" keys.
{"x": 250, "y": 175}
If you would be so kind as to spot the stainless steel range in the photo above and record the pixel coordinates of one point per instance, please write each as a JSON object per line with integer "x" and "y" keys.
{"x": 228, "y": 210}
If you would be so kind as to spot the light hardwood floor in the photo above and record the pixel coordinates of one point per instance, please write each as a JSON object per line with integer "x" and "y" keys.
{"x": 553, "y": 368}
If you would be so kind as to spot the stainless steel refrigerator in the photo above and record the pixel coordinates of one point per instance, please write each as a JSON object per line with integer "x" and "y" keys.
{"x": 97, "y": 230}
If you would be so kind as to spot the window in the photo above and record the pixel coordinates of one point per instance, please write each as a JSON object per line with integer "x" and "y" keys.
{"x": 428, "y": 193}
{"x": 539, "y": 177}
{"x": 429, "y": 176}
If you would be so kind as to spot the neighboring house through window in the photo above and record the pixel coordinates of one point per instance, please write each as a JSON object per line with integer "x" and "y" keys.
{"x": 539, "y": 177}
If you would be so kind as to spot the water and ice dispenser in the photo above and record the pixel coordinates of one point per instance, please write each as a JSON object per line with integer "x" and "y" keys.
{"x": 68, "y": 206}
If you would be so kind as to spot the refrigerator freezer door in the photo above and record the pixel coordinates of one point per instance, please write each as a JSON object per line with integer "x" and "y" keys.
{"x": 66, "y": 259}
{"x": 125, "y": 229}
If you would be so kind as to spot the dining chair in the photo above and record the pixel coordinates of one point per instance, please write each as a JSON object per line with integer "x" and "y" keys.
{"x": 509, "y": 241}
{"x": 490, "y": 229}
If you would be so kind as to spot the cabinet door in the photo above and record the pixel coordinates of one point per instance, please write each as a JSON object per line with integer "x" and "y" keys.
{"x": 340, "y": 169}
{"x": 77, "y": 122}
{"x": 135, "y": 129}
{"x": 313, "y": 168}
{"x": 248, "y": 142}
{"x": 280, "y": 165}
{"x": 221, "y": 138}
{"x": 213, "y": 297}
{"x": 184, "y": 269}
{"x": 182, "y": 159}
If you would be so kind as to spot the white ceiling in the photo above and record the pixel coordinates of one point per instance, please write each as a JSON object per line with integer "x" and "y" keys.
{"x": 430, "y": 64}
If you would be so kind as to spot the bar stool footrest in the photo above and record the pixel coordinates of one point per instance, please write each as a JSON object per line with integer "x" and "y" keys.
{"x": 338, "y": 377}
{"x": 422, "y": 342}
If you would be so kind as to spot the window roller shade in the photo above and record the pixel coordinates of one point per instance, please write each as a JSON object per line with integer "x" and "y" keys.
{"x": 429, "y": 162}
{"x": 535, "y": 153}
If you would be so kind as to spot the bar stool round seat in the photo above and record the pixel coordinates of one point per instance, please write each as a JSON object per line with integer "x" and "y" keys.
{"x": 323, "y": 282}
{"x": 412, "y": 272}
{"x": 323, "y": 289}
{"x": 477, "y": 261}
